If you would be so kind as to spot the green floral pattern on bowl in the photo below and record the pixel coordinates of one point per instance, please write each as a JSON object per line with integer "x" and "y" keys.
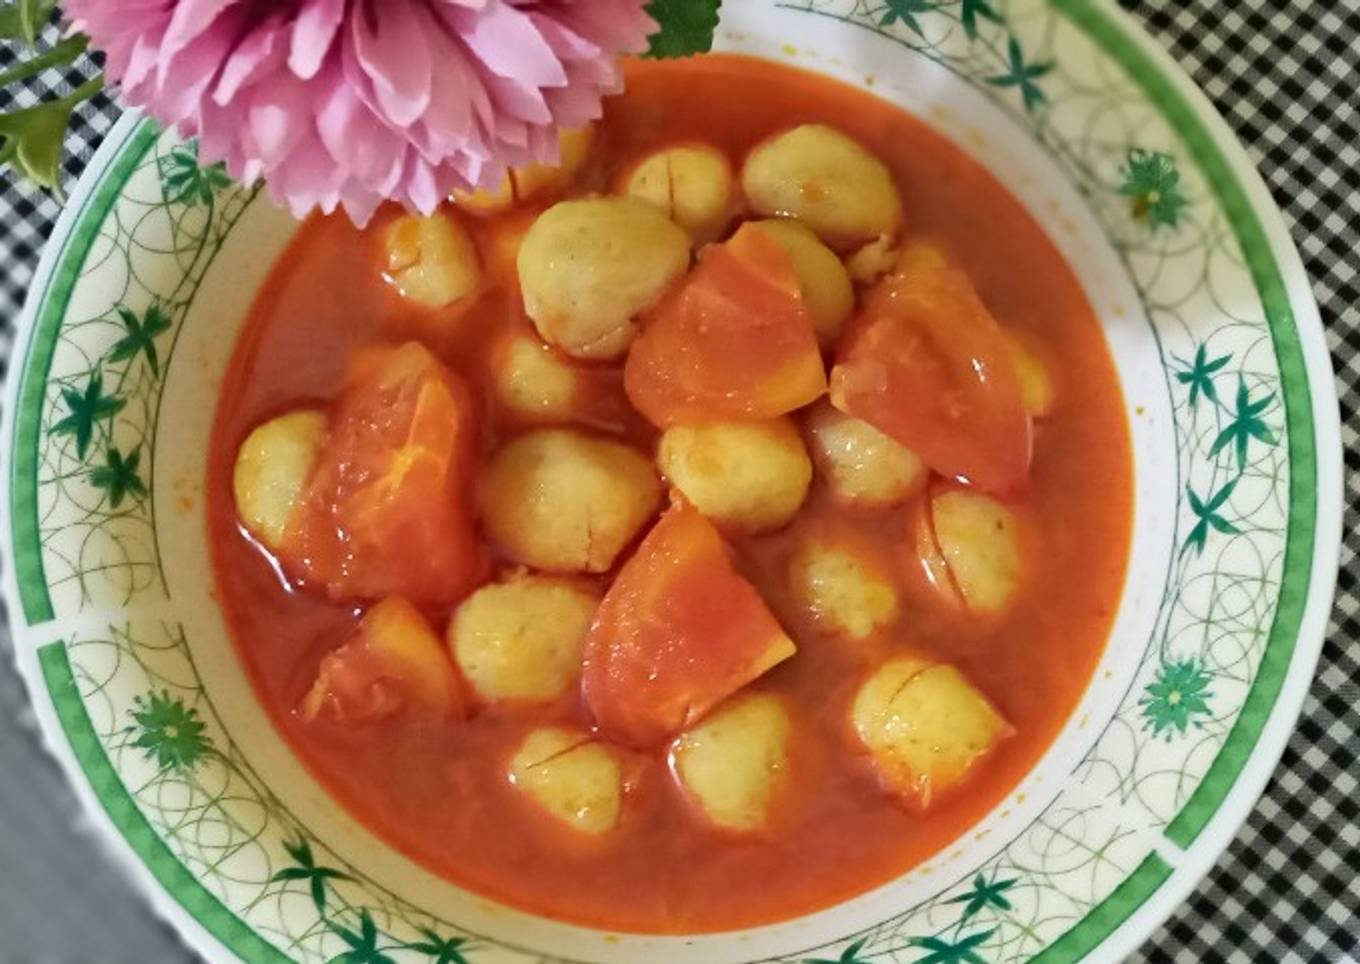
{"x": 135, "y": 310}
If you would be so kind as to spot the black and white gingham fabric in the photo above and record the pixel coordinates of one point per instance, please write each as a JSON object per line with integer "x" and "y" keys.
{"x": 1286, "y": 75}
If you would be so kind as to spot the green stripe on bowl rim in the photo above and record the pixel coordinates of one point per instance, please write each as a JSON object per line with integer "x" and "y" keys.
{"x": 28, "y": 562}
{"x": 1300, "y": 532}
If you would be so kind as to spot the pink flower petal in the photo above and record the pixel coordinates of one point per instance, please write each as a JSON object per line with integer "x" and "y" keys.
{"x": 506, "y": 40}
{"x": 280, "y": 116}
{"x": 190, "y": 20}
{"x": 354, "y": 102}
{"x": 193, "y": 67}
{"x": 356, "y": 139}
{"x": 314, "y": 33}
{"x": 258, "y": 55}
{"x": 395, "y": 55}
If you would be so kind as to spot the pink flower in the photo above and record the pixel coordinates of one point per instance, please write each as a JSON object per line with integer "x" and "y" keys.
{"x": 352, "y": 102}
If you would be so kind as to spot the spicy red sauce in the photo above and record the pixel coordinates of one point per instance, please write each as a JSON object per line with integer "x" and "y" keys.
{"x": 437, "y": 790}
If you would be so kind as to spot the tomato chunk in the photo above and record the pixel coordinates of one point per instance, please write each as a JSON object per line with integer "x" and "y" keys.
{"x": 394, "y": 657}
{"x": 928, "y": 365}
{"x": 735, "y": 341}
{"x": 679, "y": 631}
{"x": 387, "y": 510}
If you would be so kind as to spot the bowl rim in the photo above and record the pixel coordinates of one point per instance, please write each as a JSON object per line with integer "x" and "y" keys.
{"x": 1210, "y": 133}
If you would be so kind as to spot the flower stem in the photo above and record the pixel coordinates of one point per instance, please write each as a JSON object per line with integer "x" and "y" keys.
{"x": 60, "y": 55}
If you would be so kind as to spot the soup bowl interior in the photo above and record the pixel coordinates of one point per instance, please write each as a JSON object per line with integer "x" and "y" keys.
{"x": 144, "y": 696}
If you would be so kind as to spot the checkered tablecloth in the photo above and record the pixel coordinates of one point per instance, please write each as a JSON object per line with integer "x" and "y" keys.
{"x": 1286, "y": 75}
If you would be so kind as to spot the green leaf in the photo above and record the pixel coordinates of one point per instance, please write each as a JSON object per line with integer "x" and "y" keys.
{"x": 186, "y": 182}
{"x": 291, "y": 873}
{"x": 1200, "y": 375}
{"x": 307, "y": 870}
{"x": 1258, "y": 406}
{"x": 1221, "y": 524}
{"x": 169, "y": 731}
{"x": 959, "y": 952}
{"x": 363, "y": 945}
{"x": 686, "y": 27}
{"x": 1221, "y": 496}
{"x": 1176, "y": 699}
{"x": 11, "y": 26}
{"x": 141, "y": 336}
{"x": 443, "y": 951}
{"x": 61, "y": 54}
{"x": 1245, "y": 425}
{"x": 972, "y": 9}
{"x": 1207, "y": 514}
{"x": 906, "y": 11}
{"x": 33, "y": 16}
{"x": 1260, "y": 432}
{"x": 300, "y": 851}
{"x": 31, "y": 138}
{"x": 87, "y": 410}
{"x": 984, "y": 895}
{"x": 1152, "y": 180}
{"x": 118, "y": 477}
{"x": 1023, "y": 75}
{"x": 25, "y": 19}
{"x": 33, "y": 141}
{"x": 1197, "y": 538}
{"x": 848, "y": 956}
{"x": 318, "y": 891}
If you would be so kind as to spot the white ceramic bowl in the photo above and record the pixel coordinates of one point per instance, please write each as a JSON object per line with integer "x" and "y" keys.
{"x": 1238, "y": 497}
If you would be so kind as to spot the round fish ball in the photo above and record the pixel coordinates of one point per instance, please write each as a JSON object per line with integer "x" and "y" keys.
{"x": 432, "y": 261}
{"x": 746, "y": 476}
{"x": 485, "y": 202}
{"x": 925, "y": 727}
{"x": 826, "y": 180}
{"x": 978, "y": 541}
{"x": 1036, "y": 384}
{"x": 533, "y": 382}
{"x": 847, "y": 593}
{"x": 273, "y": 466}
{"x": 588, "y": 267}
{"x": 692, "y": 184}
{"x": 531, "y": 181}
{"x": 521, "y": 640}
{"x": 535, "y": 180}
{"x": 563, "y": 501}
{"x": 859, "y": 464}
{"x": 827, "y": 292}
{"x": 732, "y": 763}
{"x": 572, "y": 777}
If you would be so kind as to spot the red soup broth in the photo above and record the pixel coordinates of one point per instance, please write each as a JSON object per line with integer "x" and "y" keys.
{"x": 437, "y": 790}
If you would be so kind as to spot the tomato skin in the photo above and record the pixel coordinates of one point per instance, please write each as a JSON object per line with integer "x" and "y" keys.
{"x": 679, "y": 631}
{"x": 735, "y": 341}
{"x": 387, "y": 510}
{"x": 928, "y": 365}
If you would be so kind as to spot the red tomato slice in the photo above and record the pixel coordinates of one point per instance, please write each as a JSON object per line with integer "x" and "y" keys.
{"x": 679, "y": 631}
{"x": 735, "y": 341}
{"x": 388, "y": 508}
{"x": 927, "y": 364}
{"x": 394, "y": 657}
